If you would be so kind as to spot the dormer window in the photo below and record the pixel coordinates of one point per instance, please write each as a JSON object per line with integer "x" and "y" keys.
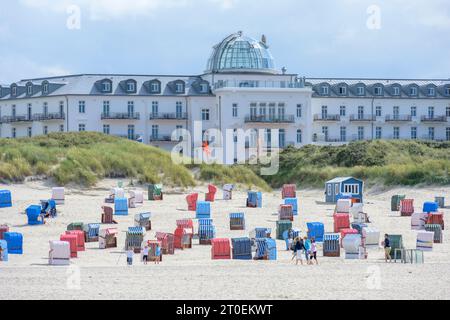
{"x": 324, "y": 90}
{"x": 204, "y": 88}
{"x": 14, "y": 91}
{"x": 431, "y": 92}
{"x": 106, "y": 86}
{"x": 396, "y": 91}
{"x": 378, "y": 91}
{"x": 131, "y": 87}
{"x": 342, "y": 90}
{"x": 45, "y": 88}
{"x": 413, "y": 91}
{"x": 360, "y": 91}
{"x": 30, "y": 89}
{"x": 447, "y": 91}
{"x": 179, "y": 87}
{"x": 155, "y": 86}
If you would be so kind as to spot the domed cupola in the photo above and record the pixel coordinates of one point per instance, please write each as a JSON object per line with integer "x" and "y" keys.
{"x": 238, "y": 53}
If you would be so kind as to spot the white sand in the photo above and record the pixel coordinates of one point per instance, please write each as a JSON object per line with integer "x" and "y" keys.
{"x": 191, "y": 274}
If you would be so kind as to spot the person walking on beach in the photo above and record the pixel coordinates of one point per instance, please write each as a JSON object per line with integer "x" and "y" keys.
{"x": 145, "y": 254}
{"x": 313, "y": 254}
{"x": 387, "y": 248}
{"x": 157, "y": 254}
{"x": 298, "y": 250}
{"x": 307, "y": 246}
{"x": 130, "y": 254}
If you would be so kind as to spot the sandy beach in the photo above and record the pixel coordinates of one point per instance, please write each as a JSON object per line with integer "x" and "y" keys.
{"x": 191, "y": 274}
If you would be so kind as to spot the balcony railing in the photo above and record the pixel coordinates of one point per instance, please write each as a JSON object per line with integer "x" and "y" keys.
{"x": 362, "y": 117}
{"x": 398, "y": 118}
{"x": 258, "y": 84}
{"x": 163, "y": 138}
{"x": 270, "y": 119}
{"x": 327, "y": 117}
{"x": 17, "y": 118}
{"x": 434, "y": 119}
{"x": 49, "y": 116}
{"x": 169, "y": 116}
{"x": 120, "y": 116}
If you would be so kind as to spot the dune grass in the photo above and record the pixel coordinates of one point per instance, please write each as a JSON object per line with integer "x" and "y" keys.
{"x": 85, "y": 158}
{"x": 389, "y": 163}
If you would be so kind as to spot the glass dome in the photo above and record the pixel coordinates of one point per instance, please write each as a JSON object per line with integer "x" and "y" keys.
{"x": 238, "y": 53}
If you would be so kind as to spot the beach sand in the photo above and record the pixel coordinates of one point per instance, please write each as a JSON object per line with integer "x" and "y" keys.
{"x": 191, "y": 274}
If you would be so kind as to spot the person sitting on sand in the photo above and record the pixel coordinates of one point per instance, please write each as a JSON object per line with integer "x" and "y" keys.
{"x": 387, "y": 248}
{"x": 157, "y": 254}
{"x": 307, "y": 246}
{"x": 313, "y": 251}
{"x": 145, "y": 254}
{"x": 130, "y": 254}
{"x": 298, "y": 250}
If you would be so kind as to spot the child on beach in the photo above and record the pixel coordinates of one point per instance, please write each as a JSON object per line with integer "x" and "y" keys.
{"x": 130, "y": 254}
{"x": 307, "y": 246}
{"x": 313, "y": 253}
{"x": 145, "y": 254}
{"x": 157, "y": 254}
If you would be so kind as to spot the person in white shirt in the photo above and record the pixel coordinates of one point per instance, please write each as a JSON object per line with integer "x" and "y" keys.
{"x": 145, "y": 254}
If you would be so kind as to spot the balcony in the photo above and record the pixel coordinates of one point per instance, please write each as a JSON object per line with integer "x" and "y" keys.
{"x": 121, "y": 116}
{"x": 49, "y": 116}
{"x": 327, "y": 117}
{"x": 362, "y": 118}
{"x": 270, "y": 119}
{"x": 398, "y": 118}
{"x": 16, "y": 119}
{"x": 169, "y": 116}
{"x": 163, "y": 138}
{"x": 434, "y": 119}
{"x": 243, "y": 84}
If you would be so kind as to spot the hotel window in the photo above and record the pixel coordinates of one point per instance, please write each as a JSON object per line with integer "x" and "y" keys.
{"x": 81, "y": 127}
{"x": 29, "y": 112}
{"x": 413, "y": 111}
{"x": 155, "y": 131}
{"x": 324, "y": 90}
{"x": 299, "y": 136}
{"x": 431, "y": 92}
{"x": 61, "y": 107}
{"x": 130, "y": 109}
{"x": 325, "y": 133}
{"x": 378, "y": 132}
{"x": 447, "y": 91}
{"x": 360, "y": 133}
{"x": 106, "y": 108}
{"x": 235, "y": 110}
{"x": 14, "y": 91}
{"x": 13, "y": 110}
{"x": 155, "y": 108}
{"x": 179, "y": 109}
{"x": 431, "y": 112}
{"x": 282, "y": 138}
{"x": 106, "y": 129}
{"x": 29, "y": 132}
{"x": 253, "y": 110}
{"x": 342, "y": 90}
{"x": 14, "y": 132}
{"x": 413, "y": 91}
{"x": 131, "y": 86}
{"x": 343, "y": 134}
{"x": 281, "y": 111}
{"x": 447, "y": 133}
{"x": 61, "y": 128}
{"x": 45, "y": 131}
{"x": 396, "y": 111}
{"x": 106, "y": 86}
{"x": 45, "y": 88}
{"x": 131, "y": 135}
{"x": 447, "y": 111}
{"x": 396, "y": 91}
{"x": 205, "y": 114}
{"x": 81, "y": 106}
{"x": 45, "y": 108}
{"x": 396, "y": 133}
{"x": 431, "y": 133}
{"x": 179, "y": 87}
{"x": 324, "y": 112}
{"x": 262, "y": 109}
{"x": 360, "y": 112}
{"x": 299, "y": 111}
{"x": 342, "y": 111}
{"x": 378, "y": 91}
{"x": 30, "y": 90}
{"x": 360, "y": 91}
{"x": 413, "y": 133}
{"x": 204, "y": 88}
{"x": 378, "y": 111}
{"x": 155, "y": 87}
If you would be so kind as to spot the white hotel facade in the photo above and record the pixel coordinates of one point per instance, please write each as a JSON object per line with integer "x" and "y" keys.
{"x": 241, "y": 89}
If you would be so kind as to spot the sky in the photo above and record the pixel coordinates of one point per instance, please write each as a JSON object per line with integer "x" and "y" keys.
{"x": 327, "y": 38}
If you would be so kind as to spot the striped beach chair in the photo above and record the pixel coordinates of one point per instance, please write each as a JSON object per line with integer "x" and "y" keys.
{"x": 167, "y": 242}
{"x": 107, "y": 238}
{"x": 437, "y": 230}
{"x": 237, "y": 221}
{"x": 282, "y": 226}
{"x": 289, "y": 191}
{"x": 183, "y": 238}
{"x": 211, "y": 195}
{"x": 220, "y": 249}
{"x": 241, "y": 248}
{"x": 72, "y": 239}
{"x": 286, "y": 212}
{"x": 143, "y": 220}
{"x": 75, "y": 226}
{"x": 425, "y": 240}
{"x": 436, "y": 218}
{"x": 395, "y": 202}
{"x": 261, "y": 249}
{"x": 254, "y": 199}
{"x": 134, "y": 239}
{"x": 91, "y": 232}
{"x": 341, "y": 221}
{"x": 406, "y": 207}
{"x": 418, "y": 220}
{"x": 206, "y": 233}
{"x": 331, "y": 245}
{"x": 152, "y": 244}
{"x": 185, "y": 223}
{"x": 4, "y": 250}
{"x": 3, "y": 229}
{"x": 80, "y": 239}
{"x": 259, "y": 233}
{"x": 440, "y": 201}
{"x": 108, "y": 215}
{"x": 294, "y": 203}
{"x": 316, "y": 230}
{"x": 192, "y": 201}
{"x": 203, "y": 210}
